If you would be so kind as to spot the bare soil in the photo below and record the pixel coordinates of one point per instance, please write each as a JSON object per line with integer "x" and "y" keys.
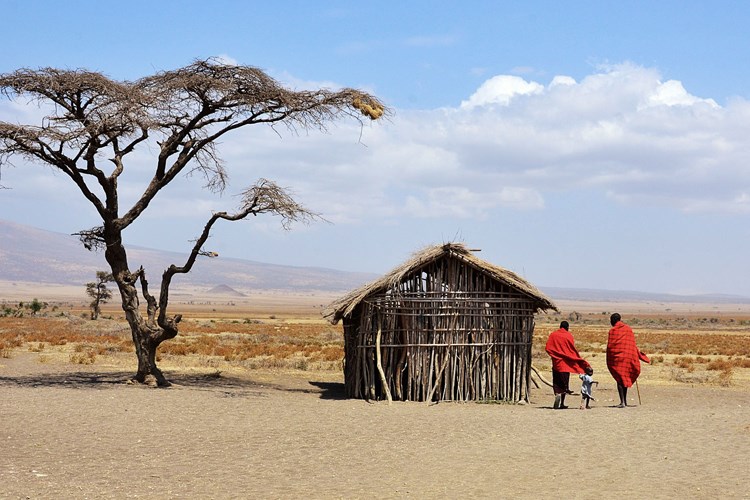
{"x": 81, "y": 431}
{"x": 70, "y": 430}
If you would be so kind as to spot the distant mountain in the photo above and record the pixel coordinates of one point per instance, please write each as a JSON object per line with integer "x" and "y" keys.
{"x": 593, "y": 295}
{"x": 225, "y": 290}
{"x": 34, "y": 255}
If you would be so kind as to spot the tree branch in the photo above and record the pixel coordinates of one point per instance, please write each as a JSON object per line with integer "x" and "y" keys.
{"x": 264, "y": 197}
{"x": 188, "y": 105}
{"x": 151, "y": 306}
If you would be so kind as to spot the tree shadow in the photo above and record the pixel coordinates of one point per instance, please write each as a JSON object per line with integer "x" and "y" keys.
{"x": 227, "y": 386}
{"x": 74, "y": 380}
{"x": 216, "y": 382}
{"x": 105, "y": 380}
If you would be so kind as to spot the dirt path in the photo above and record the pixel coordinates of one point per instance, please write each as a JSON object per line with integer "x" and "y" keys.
{"x": 79, "y": 432}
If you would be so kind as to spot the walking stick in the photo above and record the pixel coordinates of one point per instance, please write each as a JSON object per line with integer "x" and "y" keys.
{"x": 639, "y": 392}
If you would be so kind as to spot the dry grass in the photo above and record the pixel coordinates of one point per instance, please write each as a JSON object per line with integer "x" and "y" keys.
{"x": 87, "y": 357}
{"x": 697, "y": 349}
{"x": 248, "y": 343}
{"x": 253, "y": 344}
{"x": 689, "y": 350}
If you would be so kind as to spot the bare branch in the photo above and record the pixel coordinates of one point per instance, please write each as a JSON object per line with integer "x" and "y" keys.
{"x": 189, "y": 109}
{"x": 90, "y": 104}
{"x": 268, "y": 197}
{"x": 198, "y": 104}
{"x": 151, "y": 306}
{"x": 264, "y": 197}
{"x": 90, "y": 113}
{"x": 92, "y": 239}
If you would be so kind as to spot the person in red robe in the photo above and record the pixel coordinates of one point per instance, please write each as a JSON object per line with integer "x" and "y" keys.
{"x": 565, "y": 360}
{"x": 623, "y": 357}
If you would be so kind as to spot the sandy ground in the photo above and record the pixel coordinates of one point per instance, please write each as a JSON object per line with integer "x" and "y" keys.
{"x": 74, "y": 431}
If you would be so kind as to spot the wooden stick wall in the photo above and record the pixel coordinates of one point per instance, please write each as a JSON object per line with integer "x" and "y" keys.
{"x": 448, "y": 333}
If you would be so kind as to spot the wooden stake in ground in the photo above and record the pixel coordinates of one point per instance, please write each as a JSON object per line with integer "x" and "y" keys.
{"x": 380, "y": 367}
{"x": 638, "y": 389}
{"x": 439, "y": 375}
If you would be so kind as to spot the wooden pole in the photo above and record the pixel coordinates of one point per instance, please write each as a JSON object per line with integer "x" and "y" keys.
{"x": 638, "y": 389}
{"x": 380, "y": 366}
{"x": 540, "y": 376}
{"x": 439, "y": 374}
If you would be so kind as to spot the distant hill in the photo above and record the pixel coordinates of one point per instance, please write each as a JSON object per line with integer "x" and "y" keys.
{"x": 594, "y": 295}
{"x": 225, "y": 290}
{"x": 34, "y": 255}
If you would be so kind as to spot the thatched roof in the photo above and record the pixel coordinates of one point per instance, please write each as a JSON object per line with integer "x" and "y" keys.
{"x": 345, "y": 306}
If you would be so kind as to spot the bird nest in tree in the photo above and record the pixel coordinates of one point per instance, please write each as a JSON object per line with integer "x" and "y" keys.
{"x": 372, "y": 110}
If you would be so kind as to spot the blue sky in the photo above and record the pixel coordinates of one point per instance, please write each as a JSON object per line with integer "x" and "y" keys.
{"x": 580, "y": 144}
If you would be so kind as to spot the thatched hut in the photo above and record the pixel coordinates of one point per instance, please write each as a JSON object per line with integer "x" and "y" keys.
{"x": 445, "y": 325}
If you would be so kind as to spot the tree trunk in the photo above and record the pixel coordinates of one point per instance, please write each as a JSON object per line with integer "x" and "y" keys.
{"x": 147, "y": 372}
{"x": 146, "y": 337}
{"x": 95, "y": 309}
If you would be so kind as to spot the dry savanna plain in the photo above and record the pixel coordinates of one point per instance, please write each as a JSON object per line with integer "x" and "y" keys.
{"x": 257, "y": 409}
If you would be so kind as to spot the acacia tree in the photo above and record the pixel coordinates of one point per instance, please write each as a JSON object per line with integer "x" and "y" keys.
{"x": 99, "y": 292}
{"x": 95, "y": 124}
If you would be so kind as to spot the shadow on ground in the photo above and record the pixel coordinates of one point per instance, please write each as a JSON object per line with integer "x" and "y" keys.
{"x": 330, "y": 390}
{"x": 228, "y": 386}
{"x": 76, "y": 380}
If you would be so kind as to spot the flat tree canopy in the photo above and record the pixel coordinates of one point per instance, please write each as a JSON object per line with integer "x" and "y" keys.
{"x": 95, "y": 123}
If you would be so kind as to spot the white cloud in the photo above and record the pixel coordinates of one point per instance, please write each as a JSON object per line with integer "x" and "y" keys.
{"x": 460, "y": 202}
{"x": 672, "y": 93}
{"x": 621, "y": 130}
{"x": 562, "y": 80}
{"x": 520, "y": 198}
{"x": 23, "y": 112}
{"x": 501, "y": 89}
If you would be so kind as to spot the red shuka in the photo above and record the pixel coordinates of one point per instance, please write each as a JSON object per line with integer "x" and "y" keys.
{"x": 565, "y": 358}
{"x": 623, "y": 356}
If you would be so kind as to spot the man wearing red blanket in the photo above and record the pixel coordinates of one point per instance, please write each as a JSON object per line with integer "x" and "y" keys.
{"x": 623, "y": 357}
{"x": 565, "y": 360}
